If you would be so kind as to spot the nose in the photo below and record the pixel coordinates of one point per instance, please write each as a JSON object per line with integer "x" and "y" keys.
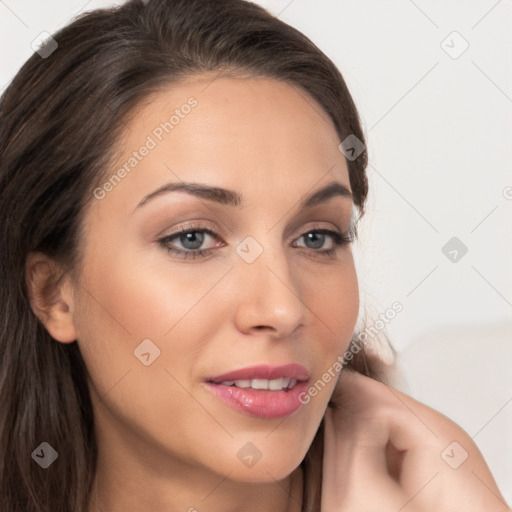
{"x": 269, "y": 299}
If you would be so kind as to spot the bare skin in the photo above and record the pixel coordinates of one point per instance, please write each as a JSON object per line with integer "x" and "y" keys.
{"x": 165, "y": 443}
{"x": 389, "y": 452}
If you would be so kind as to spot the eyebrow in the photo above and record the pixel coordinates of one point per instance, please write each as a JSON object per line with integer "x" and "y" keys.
{"x": 232, "y": 198}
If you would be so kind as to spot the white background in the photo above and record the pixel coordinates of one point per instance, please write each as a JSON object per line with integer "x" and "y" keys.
{"x": 439, "y": 142}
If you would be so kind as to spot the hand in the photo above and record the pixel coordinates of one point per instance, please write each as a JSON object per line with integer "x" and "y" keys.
{"x": 383, "y": 453}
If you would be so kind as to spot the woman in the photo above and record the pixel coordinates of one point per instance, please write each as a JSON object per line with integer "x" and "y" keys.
{"x": 180, "y": 184}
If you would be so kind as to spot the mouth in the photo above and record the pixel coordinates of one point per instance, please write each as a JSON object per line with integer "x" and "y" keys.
{"x": 262, "y": 391}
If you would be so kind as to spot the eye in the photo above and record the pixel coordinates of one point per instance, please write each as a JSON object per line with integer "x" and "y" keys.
{"x": 315, "y": 239}
{"x": 193, "y": 238}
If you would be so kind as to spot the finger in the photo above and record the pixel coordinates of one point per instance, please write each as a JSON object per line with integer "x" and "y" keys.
{"x": 355, "y": 475}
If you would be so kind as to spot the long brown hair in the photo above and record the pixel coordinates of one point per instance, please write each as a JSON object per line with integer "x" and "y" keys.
{"x": 59, "y": 121}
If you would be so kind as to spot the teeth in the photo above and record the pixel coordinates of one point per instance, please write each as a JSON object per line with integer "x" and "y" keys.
{"x": 273, "y": 385}
{"x": 276, "y": 384}
{"x": 242, "y": 383}
{"x": 259, "y": 383}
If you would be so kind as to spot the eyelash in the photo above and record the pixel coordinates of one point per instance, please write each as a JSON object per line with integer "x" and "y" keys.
{"x": 339, "y": 241}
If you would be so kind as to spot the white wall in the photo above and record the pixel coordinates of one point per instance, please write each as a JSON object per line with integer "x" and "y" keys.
{"x": 439, "y": 131}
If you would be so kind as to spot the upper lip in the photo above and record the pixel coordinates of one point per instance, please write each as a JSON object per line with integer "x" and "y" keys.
{"x": 263, "y": 371}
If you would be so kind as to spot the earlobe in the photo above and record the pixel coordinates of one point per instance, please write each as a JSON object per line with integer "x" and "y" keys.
{"x": 50, "y": 294}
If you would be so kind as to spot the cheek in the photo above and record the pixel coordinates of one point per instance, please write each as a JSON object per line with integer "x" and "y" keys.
{"x": 337, "y": 307}
{"x": 332, "y": 297}
{"x": 129, "y": 301}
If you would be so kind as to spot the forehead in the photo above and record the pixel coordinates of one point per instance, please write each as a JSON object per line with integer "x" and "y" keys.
{"x": 261, "y": 104}
{"x": 236, "y": 132}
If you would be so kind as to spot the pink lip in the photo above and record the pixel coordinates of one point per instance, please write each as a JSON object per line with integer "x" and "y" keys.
{"x": 261, "y": 403}
{"x": 263, "y": 371}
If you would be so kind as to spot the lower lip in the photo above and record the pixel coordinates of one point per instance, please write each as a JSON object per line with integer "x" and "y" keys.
{"x": 261, "y": 403}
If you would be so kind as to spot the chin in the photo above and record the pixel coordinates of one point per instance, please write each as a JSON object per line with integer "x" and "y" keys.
{"x": 264, "y": 473}
{"x": 271, "y": 462}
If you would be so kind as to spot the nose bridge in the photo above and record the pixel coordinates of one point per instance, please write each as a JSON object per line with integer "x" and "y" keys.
{"x": 270, "y": 293}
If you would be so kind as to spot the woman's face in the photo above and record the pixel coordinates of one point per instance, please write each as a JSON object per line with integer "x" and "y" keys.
{"x": 155, "y": 319}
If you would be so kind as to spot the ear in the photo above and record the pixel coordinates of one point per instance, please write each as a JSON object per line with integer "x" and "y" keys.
{"x": 51, "y": 296}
